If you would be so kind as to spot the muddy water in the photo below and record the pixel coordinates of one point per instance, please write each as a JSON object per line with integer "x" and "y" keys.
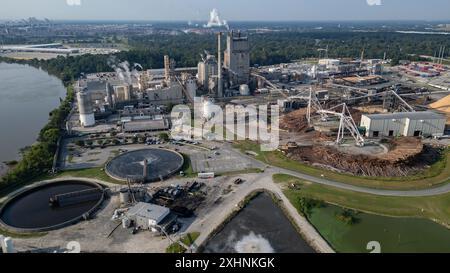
{"x": 27, "y": 96}
{"x": 260, "y": 227}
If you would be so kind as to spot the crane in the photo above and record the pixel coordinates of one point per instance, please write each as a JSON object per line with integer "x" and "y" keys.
{"x": 313, "y": 104}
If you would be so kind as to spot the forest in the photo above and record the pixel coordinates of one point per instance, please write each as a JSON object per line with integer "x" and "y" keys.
{"x": 266, "y": 49}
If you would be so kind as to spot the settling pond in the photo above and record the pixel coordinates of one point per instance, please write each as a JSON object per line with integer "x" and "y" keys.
{"x": 30, "y": 210}
{"x": 396, "y": 235}
{"x": 260, "y": 227}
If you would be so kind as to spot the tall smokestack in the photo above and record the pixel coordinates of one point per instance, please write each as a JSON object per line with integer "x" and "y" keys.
{"x": 219, "y": 64}
{"x": 167, "y": 67}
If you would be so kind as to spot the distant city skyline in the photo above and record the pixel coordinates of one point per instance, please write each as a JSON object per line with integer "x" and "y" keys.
{"x": 230, "y": 10}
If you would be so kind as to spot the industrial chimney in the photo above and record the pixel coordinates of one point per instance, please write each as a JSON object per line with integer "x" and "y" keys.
{"x": 219, "y": 64}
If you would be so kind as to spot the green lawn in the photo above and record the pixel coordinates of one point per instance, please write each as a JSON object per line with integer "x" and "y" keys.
{"x": 436, "y": 208}
{"x": 437, "y": 174}
{"x": 187, "y": 167}
{"x": 95, "y": 173}
{"x": 188, "y": 240}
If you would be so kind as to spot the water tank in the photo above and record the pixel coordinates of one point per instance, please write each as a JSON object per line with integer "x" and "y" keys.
{"x": 124, "y": 196}
{"x": 244, "y": 90}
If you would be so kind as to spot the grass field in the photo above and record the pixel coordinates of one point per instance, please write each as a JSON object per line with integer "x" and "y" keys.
{"x": 188, "y": 240}
{"x": 437, "y": 174}
{"x": 95, "y": 173}
{"x": 436, "y": 208}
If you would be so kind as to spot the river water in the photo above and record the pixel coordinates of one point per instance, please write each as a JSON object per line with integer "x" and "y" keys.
{"x": 27, "y": 96}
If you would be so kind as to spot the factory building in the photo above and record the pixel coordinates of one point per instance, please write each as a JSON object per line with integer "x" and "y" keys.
{"x": 85, "y": 108}
{"x": 164, "y": 95}
{"x": 207, "y": 69}
{"x": 122, "y": 93}
{"x": 149, "y": 125}
{"x": 404, "y": 124}
{"x": 148, "y": 216}
{"x": 237, "y": 58}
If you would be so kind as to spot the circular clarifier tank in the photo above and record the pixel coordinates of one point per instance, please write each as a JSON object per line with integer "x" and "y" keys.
{"x": 31, "y": 210}
{"x": 160, "y": 164}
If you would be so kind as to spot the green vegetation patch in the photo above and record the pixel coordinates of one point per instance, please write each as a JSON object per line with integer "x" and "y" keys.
{"x": 436, "y": 208}
{"x": 94, "y": 173}
{"x": 187, "y": 240}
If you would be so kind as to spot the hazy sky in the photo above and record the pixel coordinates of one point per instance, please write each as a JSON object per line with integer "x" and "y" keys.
{"x": 242, "y": 10}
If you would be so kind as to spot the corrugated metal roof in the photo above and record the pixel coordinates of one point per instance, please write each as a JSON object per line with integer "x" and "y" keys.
{"x": 403, "y": 115}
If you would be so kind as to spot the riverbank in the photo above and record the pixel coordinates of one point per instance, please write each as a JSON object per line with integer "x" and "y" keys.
{"x": 37, "y": 160}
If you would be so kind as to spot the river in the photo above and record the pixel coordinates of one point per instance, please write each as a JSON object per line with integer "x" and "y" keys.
{"x": 27, "y": 96}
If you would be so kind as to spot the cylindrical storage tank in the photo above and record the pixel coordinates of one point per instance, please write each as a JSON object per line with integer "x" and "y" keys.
{"x": 124, "y": 196}
{"x": 84, "y": 103}
{"x": 85, "y": 109}
{"x": 244, "y": 90}
{"x": 9, "y": 245}
{"x": 208, "y": 109}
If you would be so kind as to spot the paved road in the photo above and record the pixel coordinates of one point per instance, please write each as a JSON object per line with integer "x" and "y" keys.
{"x": 410, "y": 193}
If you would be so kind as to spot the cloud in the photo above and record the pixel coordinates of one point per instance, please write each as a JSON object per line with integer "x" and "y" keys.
{"x": 374, "y": 2}
{"x": 73, "y": 2}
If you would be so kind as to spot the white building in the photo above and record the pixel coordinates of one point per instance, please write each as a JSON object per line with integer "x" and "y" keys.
{"x": 404, "y": 124}
{"x": 147, "y": 216}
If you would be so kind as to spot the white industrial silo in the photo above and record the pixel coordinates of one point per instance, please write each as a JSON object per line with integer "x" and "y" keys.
{"x": 244, "y": 90}
{"x": 208, "y": 108}
{"x": 85, "y": 109}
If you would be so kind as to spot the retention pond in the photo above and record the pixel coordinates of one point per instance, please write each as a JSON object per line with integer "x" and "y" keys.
{"x": 261, "y": 227}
